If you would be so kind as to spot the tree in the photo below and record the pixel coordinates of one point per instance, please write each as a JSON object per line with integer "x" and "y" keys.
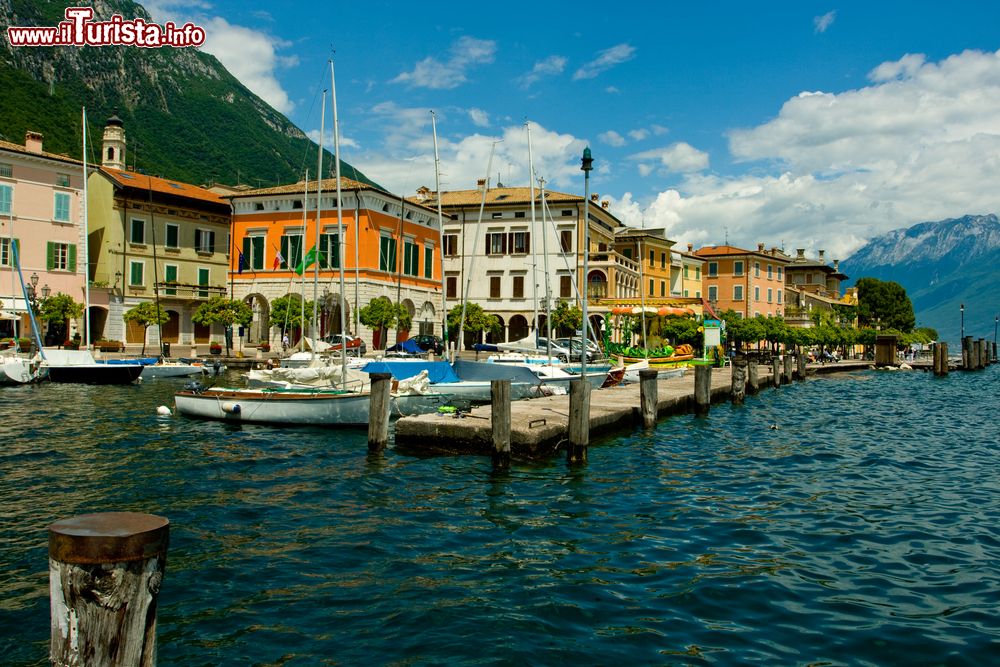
{"x": 147, "y": 314}
{"x": 476, "y": 319}
{"x": 566, "y": 319}
{"x": 59, "y": 309}
{"x": 224, "y": 311}
{"x": 286, "y": 312}
{"x": 381, "y": 314}
{"x": 884, "y": 304}
{"x": 680, "y": 330}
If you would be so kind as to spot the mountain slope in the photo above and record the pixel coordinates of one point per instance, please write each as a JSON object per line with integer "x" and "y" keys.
{"x": 942, "y": 265}
{"x": 185, "y": 116}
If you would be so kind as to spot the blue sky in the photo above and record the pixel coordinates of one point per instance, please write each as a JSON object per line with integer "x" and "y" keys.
{"x": 802, "y": 124}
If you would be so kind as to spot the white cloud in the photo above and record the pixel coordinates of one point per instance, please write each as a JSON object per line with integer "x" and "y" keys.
{"x": 465, "y": 53}
{"x": 479, "y": 117}
{"x": 921, "y": 143}
{"x": 612, "y": 90}
{"x": 639, "y": 134}
{"x": 658, "y": 130}
{"x": 605, "y": 60}
{"x": 551, "y": 66}
{"x": 678, "y": 157}
{"x": 612, "y": 138}
{"x": 823, "y": 22}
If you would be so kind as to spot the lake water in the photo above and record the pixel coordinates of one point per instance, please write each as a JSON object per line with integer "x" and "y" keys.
{"x": 864, "y": 529}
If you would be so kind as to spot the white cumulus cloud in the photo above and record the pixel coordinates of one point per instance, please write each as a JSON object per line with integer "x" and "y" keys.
{"x": 605, "y": 60}
{"x": 551, "y": 66}
{"x": 432, "y": 73}
{"x": 678, "y": 157}
{"x": 612, "y": 138}
{"x": 823, "y": 22}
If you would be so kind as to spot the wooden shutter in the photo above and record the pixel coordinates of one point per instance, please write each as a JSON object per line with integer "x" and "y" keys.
{"x": 71, "y": 258}
{"x": 50, "y": 252}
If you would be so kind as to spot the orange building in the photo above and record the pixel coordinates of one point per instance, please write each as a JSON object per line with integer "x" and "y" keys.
{"x": 750, "y": 282}
{"x": 391, "y": 250}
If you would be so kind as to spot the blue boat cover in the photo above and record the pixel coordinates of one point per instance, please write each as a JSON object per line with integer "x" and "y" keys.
{"x": 439, "y": 372}
{"x": 479, "y": 371}
{"x": 408, "y": 345}
{"x": 142, "y": 361}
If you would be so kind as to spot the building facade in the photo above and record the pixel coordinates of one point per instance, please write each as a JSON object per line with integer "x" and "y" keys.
{"x": 686, "y": 280}
{"x": 749, "y": 282}
{"x": 391, "y": 250}
{"x": 811, "y": 285}
{"x": 41, "y": 217}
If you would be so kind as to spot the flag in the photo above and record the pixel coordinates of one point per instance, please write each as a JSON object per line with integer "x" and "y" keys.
{"x": 307, "y": 261}
{"x": 243, "y": 263}
{"x": 278, "y": 260}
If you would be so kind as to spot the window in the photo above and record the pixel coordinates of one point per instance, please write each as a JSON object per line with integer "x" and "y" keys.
{"x": 770, "y": 295}
{"x": 651, "y": 283}
{"x": 253, "y": 252}
{"x": 296, "y": 203}
{"x": 6, "y": 258}
{"x": 138, "y": 231}
{"x": 566, "y": 213}
{"x": 291, "y": 250}
{"x": 756, "y": 294}
{"x": 663, "y": 288}
{"x": 518, "y": 287}
{"x": 652, "y": 258}
{"x": 203, "y": 282}
{"x": 428, "y": 261}
{"x": 204, "y": 240}
{"x": 6, "y": 198}
{"x": 685, "y": 273}
{"x": 135, "y": 274}
{"x": 663, "y": 260}
{"x": 61, "y": 207}
{"x": 497, "y": 214}
{"x": 60, "y": 256}
{"x": 697, "y": 273}
{"x": 713, "y": 293}
{"x": 518, "y": 214}
{"x": 566, "y": 240}
{"x": 173, "y": 236}
{"x": 494, "y": 287}
{"x": 496, "y": 244}
{"x": 756, "y": 269}
{"x": 451, "y": 245}
{"x": 565, "y": 286}
{"x": 411, "y": 259}
{"x": 451, "y": 287}
{"x": 738, "y": 268}
{"x": 521, "y": 243}
{"x": 737, "y": 292}
{"x": 62, "y": 180}
{"x": 329, "y": 247}
{"x": 170, "y": 278}
{"x": 779, "y": 296}
{"x": 685, "y": 294}
{"x": 387, "y": 254}
{"x": 779, "y": 275}
{"x": 627, "y": 252}
{"x": 6, "y": 170}
{"x": 770, "y": 272}
{"x": 713, "y": 269}
{"x": 697, "y": 294}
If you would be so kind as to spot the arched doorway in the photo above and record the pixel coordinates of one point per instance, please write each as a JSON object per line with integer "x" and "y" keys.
{"x": 98, "y": 321}
{"x": 401, "y": 333}
{"x": 170, "y": 332}
{"x": 496, "y": 336}
{"x": 518, "y": 327}
{"x": 426, "y": 317}
{"x": 597, "y": 285}
{"x": 260, "y": 324}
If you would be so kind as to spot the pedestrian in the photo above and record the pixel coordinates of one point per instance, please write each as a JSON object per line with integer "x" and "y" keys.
{"x": 284, "y": 343}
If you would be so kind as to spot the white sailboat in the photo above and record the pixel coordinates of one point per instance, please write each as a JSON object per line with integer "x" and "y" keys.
{"x": 15, "y": 367}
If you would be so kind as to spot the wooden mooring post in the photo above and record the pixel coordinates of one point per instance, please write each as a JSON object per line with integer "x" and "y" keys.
{"x": 776, "y": 372}
{"x": 800, "y": 365}
{"x": 702, "y": 389}
{"x": 378, "y": 411}
{"x": 753, "y": 376}
{"x": 940, "y": 359}
{"x": 789, "y": 360}
{"x": 500, "y": 422}
{"x": 981, "y": 353}
{"x": 579, "y": 421}
{"x": 738, "y": 383}
{"x": 967, "y": 353}
{"x": 105, "y": 572}
{"x": 648, "y": 396}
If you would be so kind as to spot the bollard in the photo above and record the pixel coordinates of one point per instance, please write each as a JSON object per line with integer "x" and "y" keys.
{"x": 936, "y": 359}
{"x": 776, "y": 372}
{"x": 702, "y": 389}
{"x": 579, "y": 421}
{"x": 648, "y": 396}
{"x": 753, "y": 377}
{"x": 104, "y": 577}
{"x": 738, "y": 384}
{"x": 500, "y": 422}
{"x": 789, "y": 359}
{"x": 378, "y": 411}
{"x": 800, "y": 366}
{"x": 944, "y": 358}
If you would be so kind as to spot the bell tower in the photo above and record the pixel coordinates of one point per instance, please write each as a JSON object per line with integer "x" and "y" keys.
{"x": 113, "y": 149}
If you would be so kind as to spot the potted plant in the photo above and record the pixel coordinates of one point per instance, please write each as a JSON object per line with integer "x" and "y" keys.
{"x": 264, "y": 347}
{"x": 6, "y": 343}
{"x": 215, "y": 347}
{"x": 71, "y": 344}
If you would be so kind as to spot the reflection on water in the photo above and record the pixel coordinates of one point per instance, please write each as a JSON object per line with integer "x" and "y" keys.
{"x": 862, "y": 529}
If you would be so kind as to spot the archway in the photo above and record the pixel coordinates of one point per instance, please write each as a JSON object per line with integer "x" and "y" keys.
{"x": 170, "y": 332}
{"x": 517, "y": 328}
{"x": 403, "y": 334}
{"x": 597, "y": 285}
{"x": 426, "y": 319}
{"x": 260, "y": 325}
{"x": 496, "y": 336}
{"x": 98, "y": 321}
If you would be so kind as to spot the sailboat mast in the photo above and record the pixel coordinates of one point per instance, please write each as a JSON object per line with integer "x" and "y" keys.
{"x": 340, "y": 226}
{"x": 319, "y": 209}
{"x": 548, "y": 288}
{"x": 475, "y": 245}
{"x": 437, "y": 193}
{"x": 302, "y": 289}
{"x": 86, "y": 243}
{"x": 534, "y": 257}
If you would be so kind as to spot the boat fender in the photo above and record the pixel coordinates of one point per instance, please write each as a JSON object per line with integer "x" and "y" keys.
{"x": 231, "y": 408}
{"x": 447, "y": 409}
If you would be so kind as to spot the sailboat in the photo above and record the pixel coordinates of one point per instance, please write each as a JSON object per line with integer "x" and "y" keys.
{"x": 15, "y": 368}
{"x": 79, "y": 366}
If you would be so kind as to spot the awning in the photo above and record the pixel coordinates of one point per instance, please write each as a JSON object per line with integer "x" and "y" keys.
{"x": 8, "y": 316}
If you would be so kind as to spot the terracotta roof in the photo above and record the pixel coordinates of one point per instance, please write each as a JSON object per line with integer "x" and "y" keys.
{"x": 18, "y": 148}
{"x": 495, "y": 196}
{"x": 329, "y": 185}
{"x": 131, "y": 179}
{"x": 729, "y": 250}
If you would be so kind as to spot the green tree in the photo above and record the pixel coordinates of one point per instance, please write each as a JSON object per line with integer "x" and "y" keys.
{"x": 680, "y": 330}
{"x": 224, "y": 311}
{"x": 286, "y": 313}
{"x": 566, "y": 319}
{"x": 59, "y": 309}
{"x": 476, "y": 319}
{"x": 146, "y": 314}
{"x": 884, "y": 304}
{"x": 382, "y": 314}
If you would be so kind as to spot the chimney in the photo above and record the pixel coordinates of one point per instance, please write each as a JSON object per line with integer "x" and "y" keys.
{"x": 605, "y": 204}
{"x": 33, "y": 141}
{"x": 821, "y": 260}
{"x": 800, "y": 254}
{"x": 760, "y": 247}
{"x": 595, "y": 197}
{"x": 481, "y": 183}
{"x": 836, "y": 265}
{"x": 690, "y": 247}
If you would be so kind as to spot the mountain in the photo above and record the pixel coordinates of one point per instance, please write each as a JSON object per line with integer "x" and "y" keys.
{"x": 942, "y": 265}
{"x": 185, "y": 116}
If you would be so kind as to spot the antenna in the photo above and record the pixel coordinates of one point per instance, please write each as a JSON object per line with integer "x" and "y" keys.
{"x": 727, "y": 235}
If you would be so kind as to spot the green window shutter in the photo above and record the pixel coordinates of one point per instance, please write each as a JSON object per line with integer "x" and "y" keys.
{"x": 284, "y": 251}
{"x": 258, "y": 253}
{"x": 50, "y": 256}
{"x": 246, "y": 249}
{"x": 71, "y": 258}
{"x": 428, "y": 262}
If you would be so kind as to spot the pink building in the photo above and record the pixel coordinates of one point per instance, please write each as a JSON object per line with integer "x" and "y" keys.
{"x": 41, "y": 209}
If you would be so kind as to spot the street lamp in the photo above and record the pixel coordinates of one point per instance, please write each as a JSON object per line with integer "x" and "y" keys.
{"x": 587, "y": 164}
{"x": 32, "y": 291}
{"x": 961, "y": 308}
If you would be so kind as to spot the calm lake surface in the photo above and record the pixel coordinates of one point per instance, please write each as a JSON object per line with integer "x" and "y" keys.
{"x": 863, "y": 530}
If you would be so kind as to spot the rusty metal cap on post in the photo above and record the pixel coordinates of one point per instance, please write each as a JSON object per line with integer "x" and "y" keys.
{"x": 108, "y": 537}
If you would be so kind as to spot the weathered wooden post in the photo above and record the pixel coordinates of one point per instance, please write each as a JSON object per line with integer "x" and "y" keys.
{"x": 800, "y": 365}
{"x": 944, "y": 358}
{"x": 789, "y": 359}
{"x": 967, "y": 353}
{"x": 994, "y": 351}
{"x": 104, "y": 577}
{"x": 579, "y": 421}
{"x": 738, "y": 383}
{"x": 648, "y": 396}
{"x": 981, "y": 352}
{"x": 378, "y": 411}
{"x": 776, "y": 372}
{"x": 500, "y": 421}
{"x": 753, "y": 376}
{"x": 936, "y": 359}
{"x": 885, "y": 351}
{"x": 702, "y": 389}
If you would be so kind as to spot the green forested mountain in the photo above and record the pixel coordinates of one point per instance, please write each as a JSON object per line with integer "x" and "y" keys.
{"x": 185, "y": 116}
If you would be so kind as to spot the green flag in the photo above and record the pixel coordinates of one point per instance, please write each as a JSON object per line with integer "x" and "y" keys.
{"x": 307, "y": 261}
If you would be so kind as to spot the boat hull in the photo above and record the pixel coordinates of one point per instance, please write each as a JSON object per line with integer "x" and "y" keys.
{"x": 17, "y": 370}
{"x": 95, "y": 373}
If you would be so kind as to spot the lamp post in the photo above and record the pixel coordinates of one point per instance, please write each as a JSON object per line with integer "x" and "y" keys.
{"x": 587, "y": 164}
{"x": 961, "y": 309}
{"x": 32, "y": 288}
